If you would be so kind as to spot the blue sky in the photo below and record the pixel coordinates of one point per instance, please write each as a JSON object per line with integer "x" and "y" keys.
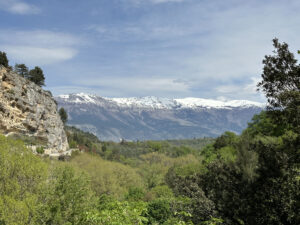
{"x": 167, "y": 48}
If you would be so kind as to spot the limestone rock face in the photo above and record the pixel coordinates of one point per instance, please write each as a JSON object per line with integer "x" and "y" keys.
{"x": 26, "y": 109}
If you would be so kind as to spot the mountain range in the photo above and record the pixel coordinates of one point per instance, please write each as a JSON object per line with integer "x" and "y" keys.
{"x": 154, "y": 118}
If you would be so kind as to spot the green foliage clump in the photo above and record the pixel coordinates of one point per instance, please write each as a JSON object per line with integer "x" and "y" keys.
{"x": 281, "y": 85}
{"x": 3, "y": 59}
{"x": 22, "y": 70}
{"x": 159, "y": 211}
{"x": 67, "y": 198}
{"x": 111, "y": 211}
{"x": 22, "y": 176}
{"x": 40, "y": 150}
{"x": 36, "y": 75}
{"x": 110, "y": 178}
{"x": 63, "y": 115}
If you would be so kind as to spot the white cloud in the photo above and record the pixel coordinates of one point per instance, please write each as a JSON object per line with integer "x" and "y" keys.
{"x": 246, "y": 90}
{"x": 38, "y": 47}
{"x": 117, "y": 86}
{"x": 39, "y": 55}
{"x": 18, "y": 7}
{"x": 39, "y": 37}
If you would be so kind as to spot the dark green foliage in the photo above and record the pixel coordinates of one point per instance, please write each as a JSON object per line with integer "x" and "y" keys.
{"x": 281, "y": 84}
{"x": 263, "y": 124}
{"x": 22, "y": 70}
{"x": 281, "y": 75}
{"x": 226, "y": 139}
{"x": 63, "y": 115}
{"x": 200, "y": 206}
{"x": 36, "y": 75}
{"x": 159, "y": 211}
{"x": 40, "y": 150}
{"x": 3, "y": 59}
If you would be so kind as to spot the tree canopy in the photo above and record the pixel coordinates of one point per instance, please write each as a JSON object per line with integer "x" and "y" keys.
{"x": 22, "y": 70}
{"x": 3, "y": 59}
{"x": 36, "y": 75}
{"x": 281, "y": 85}
{"x": 63, "y": 115}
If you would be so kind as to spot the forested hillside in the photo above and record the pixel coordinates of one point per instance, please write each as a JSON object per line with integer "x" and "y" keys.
{"x": 250, "y": 179}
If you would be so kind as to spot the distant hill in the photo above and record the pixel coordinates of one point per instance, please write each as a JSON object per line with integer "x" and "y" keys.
{"x": 153, "y": 118}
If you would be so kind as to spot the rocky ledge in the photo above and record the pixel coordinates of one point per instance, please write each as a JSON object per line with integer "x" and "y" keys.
{"x": 26, "y": 110}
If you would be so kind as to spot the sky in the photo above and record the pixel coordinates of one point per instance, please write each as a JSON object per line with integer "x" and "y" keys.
{"x": 134, "y": 48}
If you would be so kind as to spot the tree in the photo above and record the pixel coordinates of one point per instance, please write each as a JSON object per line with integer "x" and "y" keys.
{"x": 22, "y": 70}
{"x": 159, "y": 211}
{"x": 3, "y": 59}
{"x": 67, "y": 198}
{"x": 36, "y": 75}
{"x": 22, "y": 174}
{"x": 63, "y": 115}
{"x": 281, "y": 85}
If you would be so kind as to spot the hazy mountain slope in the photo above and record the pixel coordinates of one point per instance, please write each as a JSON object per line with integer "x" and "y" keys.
{"x": 156, "y": 118}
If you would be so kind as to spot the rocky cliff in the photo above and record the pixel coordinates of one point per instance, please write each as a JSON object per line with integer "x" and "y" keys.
{"x": 28, "y": 110}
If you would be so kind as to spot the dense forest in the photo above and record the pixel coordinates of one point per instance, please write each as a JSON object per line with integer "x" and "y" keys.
{"x": 250, "y": 179}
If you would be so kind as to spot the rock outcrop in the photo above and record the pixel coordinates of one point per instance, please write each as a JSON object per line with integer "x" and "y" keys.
{"x": 26, "y": 109}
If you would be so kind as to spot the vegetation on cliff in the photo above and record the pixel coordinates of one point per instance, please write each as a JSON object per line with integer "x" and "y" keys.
{"x": 35, "y": 75}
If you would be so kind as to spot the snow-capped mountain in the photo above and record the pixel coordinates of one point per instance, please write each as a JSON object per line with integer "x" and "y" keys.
{"x": 156, "y": 118}
{"x": 152, "y": 102}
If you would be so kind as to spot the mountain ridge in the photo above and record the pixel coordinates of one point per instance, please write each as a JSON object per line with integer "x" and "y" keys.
{"x": 159, "y": 102}
{"x": 152, "y": 118}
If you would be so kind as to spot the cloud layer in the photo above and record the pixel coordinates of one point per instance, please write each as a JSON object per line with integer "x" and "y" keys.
{"x": 38, "y": 47}
{"x": 168, "y": 48}
{"x": 18, "y": 7}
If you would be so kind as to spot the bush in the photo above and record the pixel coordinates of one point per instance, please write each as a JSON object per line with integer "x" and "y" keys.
{"x": 40, "y": 150}
{"x": 3, "y": 59}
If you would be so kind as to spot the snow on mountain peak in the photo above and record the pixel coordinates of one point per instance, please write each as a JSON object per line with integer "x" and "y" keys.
{"x": 144, "y": 102}
{"x": 79, "y": 98}
{"x": 210, "y": 103}
{"x": 153, "y": 102}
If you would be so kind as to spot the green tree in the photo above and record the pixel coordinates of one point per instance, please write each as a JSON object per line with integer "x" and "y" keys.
{"x": 159, "y": 211}
{"x": 226, "y": 139}
{"x": 111, "y": 211}
{"x": 281, "y": 85}
{"x": 3, "y": 59}
{"x": 63, "y": 115}
{"x": 22, "y": 176}
{"x": 68, "y": 197}
{"x": 22, "y": 70}
{"x": 36, "y": 75}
